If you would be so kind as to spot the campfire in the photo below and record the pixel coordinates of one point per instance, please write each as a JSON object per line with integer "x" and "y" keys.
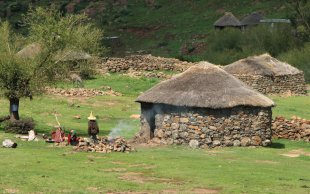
{"x": 105, "y": 145}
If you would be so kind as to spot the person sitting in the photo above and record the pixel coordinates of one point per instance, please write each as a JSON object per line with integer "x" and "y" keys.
{"x": 93, "y": 128}
{"x": 72, "y": 138}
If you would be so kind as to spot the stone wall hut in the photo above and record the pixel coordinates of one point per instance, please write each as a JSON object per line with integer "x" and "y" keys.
{"x": 228, "y": 20}
{"x": 269, "y": 75}
{"x": 252, "y": 19}
{"x": 206, "y": 107}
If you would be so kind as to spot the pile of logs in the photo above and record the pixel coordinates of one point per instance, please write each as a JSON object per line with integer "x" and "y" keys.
{"x": 81, "y": 92}
{"x": 105, "y": 145}
{"x": 294, "y": 129}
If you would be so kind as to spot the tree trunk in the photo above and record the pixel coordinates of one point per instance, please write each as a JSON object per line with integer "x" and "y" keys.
{"x": 14, "y": 106}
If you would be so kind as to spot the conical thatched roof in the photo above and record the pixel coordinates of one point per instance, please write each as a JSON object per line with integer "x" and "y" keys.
{"x": 227, "y": 20}
{"x": 261, "y": 65}
{"x": 30, "y": 51}
{"x": 73, "y": 56}
{"x": 204, "y": 85}
{"x": 252, "y": 19}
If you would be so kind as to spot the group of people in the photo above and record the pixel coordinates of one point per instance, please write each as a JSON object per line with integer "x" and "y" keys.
{"x": 93, "y": 130}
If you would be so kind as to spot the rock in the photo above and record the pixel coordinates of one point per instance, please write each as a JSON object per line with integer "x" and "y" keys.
{"x": 194, "y": 144}
{"x": 31, "y": 135}
{"x": 245, "y": 141}
{"x": 256, "y": 140}
{"x": 216, "y": 143}
{"x": 184, "y": 120}
{"x": 236, "y": 143}
{"x": 175, "y": 126}
{"x": 266, "y": 142}
{"x": 159, "y": 133}
{"x": 212, "y": 128}
{"x": 7, "y": 143}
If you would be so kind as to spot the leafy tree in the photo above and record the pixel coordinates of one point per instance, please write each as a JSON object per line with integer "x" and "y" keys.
{"x": 55, "y": 35}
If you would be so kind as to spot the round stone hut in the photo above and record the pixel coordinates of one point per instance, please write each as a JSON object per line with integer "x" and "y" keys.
{"x": 269, "y": 75}
{"x": 205, "y": 107}
{"x": 227, "y": 20}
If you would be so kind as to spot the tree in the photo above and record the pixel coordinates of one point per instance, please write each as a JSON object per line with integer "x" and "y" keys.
{"x": 55, "y": 35}
{"x": 301, "y": 17}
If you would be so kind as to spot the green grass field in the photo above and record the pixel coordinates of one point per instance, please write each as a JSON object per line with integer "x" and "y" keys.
{"x": 38, "y": 167}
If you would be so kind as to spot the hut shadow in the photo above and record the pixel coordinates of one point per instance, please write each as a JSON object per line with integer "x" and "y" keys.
{"x": 277, "y": 146}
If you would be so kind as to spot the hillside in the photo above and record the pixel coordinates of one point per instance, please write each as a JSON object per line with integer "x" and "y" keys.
{"x": 160, "y": 28}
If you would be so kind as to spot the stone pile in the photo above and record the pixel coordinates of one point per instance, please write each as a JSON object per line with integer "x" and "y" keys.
{"x": 143, "y": 63}
{"x": 81, "y": 92}
{"x": 105, "y": 145}
{"x": 294, "y": 129}
{"x": 148, "y": 74}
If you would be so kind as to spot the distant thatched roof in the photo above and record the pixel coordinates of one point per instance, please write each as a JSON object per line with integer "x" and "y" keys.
{"x": 73, "y": 56}
{"x": 261, "y": 65}
{"x": 227, "y": 20}
{"x": 204, "y": 85}
{"x": 30, "y": 51}
{"x": 34, "y": 49}
{"x": 252, "y": 19}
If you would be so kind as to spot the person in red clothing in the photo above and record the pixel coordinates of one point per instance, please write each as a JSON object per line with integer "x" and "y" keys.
{"x": 72, "y": 138}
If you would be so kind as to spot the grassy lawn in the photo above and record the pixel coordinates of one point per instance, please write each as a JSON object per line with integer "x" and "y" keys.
{"x": 37, "y": 167}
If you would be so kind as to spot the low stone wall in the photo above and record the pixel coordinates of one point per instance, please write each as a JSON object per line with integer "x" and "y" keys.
{"x": 239, "y": 126}
{"x": 81, "y": 92}
{"x": 283, "y": 85}
{"x": 144, "y": 63}
{"x": 294, "y": 129}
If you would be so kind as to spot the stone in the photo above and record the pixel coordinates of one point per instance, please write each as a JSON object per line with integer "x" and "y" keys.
{"x": 216, "y": 143}
{"x": 245, "y": 141}
{"x": 184, "y": 120}
{"x": 7, "y": 143}
{"x": 266, "y": 142}
{"x": 159, "y": 133}
{"x": 31, "y": 135}
{"x": 184, "y": 135}
{"x": 236, "y": 143}
{"x": 256, "y": 140}
{"x": 175, "y": 126}
{"x": 194, "y": 144}
{"x": 175, "y": 134}
{"x": 169, "y": 141}
{"x": 212, "y": 128}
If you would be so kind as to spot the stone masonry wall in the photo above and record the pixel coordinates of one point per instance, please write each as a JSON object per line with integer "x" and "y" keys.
{"x": 144, "y": 63}
{"x": 284, "y": 84}
{"x": 239, "y": 126}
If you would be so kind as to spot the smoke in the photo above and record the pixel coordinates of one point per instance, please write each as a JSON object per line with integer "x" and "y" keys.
{"x": 122, "y": 128}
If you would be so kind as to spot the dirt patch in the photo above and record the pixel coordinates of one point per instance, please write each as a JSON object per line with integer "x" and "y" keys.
{"x": 143, "y": 166}
{"x": 142, "y": 32}
{"x": 115, "y": 170}
{"x": 119, "y": 162}
{"x": 138, "y": 177}
{"x": 93, "y": 189}
{"x": 296, "y": 153}
{"x": 135, "y": 116}
{"x": 193, "y": 191}
{"x": 128, "y": 192}
{"x": 266, "y": 162}
{"x": 11, "y": 191}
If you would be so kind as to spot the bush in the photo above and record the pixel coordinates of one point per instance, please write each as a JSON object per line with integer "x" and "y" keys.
{"x": 299, "y": 58}
{"x": 20, "y": 126}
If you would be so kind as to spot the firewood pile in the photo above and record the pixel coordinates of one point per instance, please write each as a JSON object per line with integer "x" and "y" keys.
{"x": 81, "y": 92}
{"x": 105, "y": 145}
{"x": 294, "y": 129}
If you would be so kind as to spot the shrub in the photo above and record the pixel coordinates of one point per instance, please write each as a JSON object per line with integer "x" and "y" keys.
{"x": 21, "y": 126}
{"x": 299, "y": 58}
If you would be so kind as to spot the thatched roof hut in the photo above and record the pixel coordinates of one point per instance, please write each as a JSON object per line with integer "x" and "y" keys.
{"x": 228, "y": 20}
{"x": 30, "y": 51}
{"x": 261, "y": 65}
{"x": 268, "y": 75}
{"x": 205, "y": 106}
{"x": 252, "y": 19}
{"x": 204, "y": 85}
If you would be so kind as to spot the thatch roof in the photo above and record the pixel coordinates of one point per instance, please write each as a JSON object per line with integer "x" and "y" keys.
{"x": 73, "y": 56}
{"x": 252, "y": 19}
{"x": 204, "y": 85}
{"x": 30, "y": 51}
{"x": 227, "y": 20}
{"x": 261, "y": 65}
